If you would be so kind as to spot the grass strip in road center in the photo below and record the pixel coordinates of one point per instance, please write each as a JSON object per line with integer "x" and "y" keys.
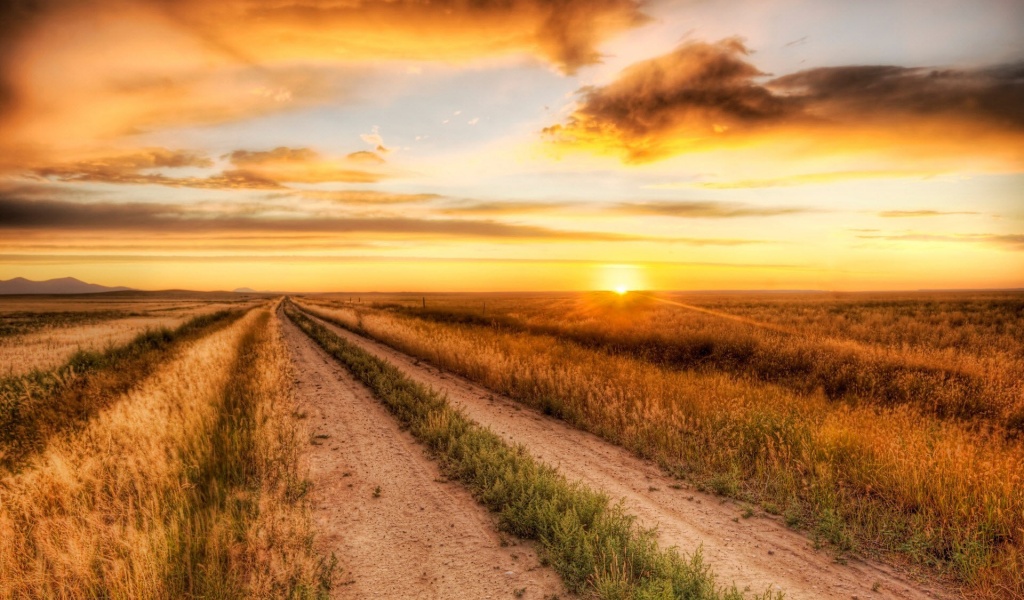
{"x": 596, "y": 547}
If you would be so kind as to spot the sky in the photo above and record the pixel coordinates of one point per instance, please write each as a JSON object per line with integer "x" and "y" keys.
{"x": 511, "y": 145}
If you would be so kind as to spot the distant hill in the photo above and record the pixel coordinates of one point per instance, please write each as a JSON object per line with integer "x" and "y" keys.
{"x": 64, "y": 285}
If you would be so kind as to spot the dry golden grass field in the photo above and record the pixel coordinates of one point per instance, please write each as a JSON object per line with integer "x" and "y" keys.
{"x": 882, "y": 424}
{"x": 226, "y": 446}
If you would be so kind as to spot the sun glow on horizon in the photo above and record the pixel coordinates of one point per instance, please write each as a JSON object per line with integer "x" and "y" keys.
{"x": 621, "y": 278}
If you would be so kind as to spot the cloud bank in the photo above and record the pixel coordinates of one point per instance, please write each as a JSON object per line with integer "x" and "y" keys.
{"x": 706, "y": 96}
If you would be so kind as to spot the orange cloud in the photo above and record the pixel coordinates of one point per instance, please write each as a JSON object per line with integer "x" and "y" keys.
{"x": 79, "y": 73}
{"x": 253, "y": 169}
{"x": 303, "y": 165}
{"x": 135, "y": 167}
{"x": 707, "y": 96}
{"x": 565, "y": 33}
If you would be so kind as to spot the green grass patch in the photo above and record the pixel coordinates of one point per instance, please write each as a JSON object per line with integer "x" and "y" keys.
{"x": 247, "y": 464}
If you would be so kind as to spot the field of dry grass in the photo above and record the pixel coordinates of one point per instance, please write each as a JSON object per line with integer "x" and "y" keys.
{"x": 43, "y": 333}
{"x": 886, "y": 424}
{"x": 185, "y": 482}
{"x": 169, "y": 463}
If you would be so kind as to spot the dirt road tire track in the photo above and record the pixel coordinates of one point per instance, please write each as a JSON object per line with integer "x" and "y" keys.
{"x": 421, "y": 537}
{"x": 756, "y": 554}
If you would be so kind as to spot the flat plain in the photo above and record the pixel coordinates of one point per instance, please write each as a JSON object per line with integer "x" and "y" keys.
{"x": 602, "y": 445}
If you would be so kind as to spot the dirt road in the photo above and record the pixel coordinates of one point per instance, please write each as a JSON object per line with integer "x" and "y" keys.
{"x": 756, "y": 554}
{"x": 382, "y": 507}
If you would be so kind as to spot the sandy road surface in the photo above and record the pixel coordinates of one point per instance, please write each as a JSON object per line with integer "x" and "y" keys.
{"x": 422, "y": 537}
{"x": 757, "y": 554}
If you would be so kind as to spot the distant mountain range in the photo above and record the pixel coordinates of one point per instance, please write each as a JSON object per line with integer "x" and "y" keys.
{"x": 64, "y": 285}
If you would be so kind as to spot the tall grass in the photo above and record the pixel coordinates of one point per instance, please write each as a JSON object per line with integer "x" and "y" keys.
{"x": 22, "y": 322}
{"x": 188, "y": 487}
{"x": 36, "y": 406}
{"x": 596, "y": 548}
{"x": 867, "y": 478}
{"x": 54, "y": 336}
{"x": 963, "y": 367}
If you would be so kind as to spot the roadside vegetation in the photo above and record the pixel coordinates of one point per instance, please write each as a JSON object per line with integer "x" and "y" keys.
{"x": 38, "y": 405}
{"x": 22, "y": 322}
{"x": 953, "y": 357}
{"x": 861, "y": 473}
{"x": 596, "y": 548}
{"x": 46, "y": 336}
{"x": 186, "y": 485}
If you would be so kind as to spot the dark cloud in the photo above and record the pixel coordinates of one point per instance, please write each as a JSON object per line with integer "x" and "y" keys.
{"x": 698, "y": 90}
{"x": 710, "y": 95}
{"x": 366, "y": 258}
{"x": 572, "y": 29}
{"x": 705, "y": 209}
{"x": 22, "y": 214}
{"x": 993, "y": 96}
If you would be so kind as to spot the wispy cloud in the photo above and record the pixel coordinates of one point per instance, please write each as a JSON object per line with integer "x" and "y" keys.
{"x": 374, "y": 258}
{"x": 366, "y": 197}
{"x": 252, "y": 169}
{"x": 900, "y": 214}
{"x": 697, "y": 209}
{"x": 1012, "y": 241}
{"x": 810, "y": 179}
{"x": 305, "y": 165}
{"x": 32, "y": 214}
{"x": 137, "y": 168}
{"x": 507, "y": 207}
